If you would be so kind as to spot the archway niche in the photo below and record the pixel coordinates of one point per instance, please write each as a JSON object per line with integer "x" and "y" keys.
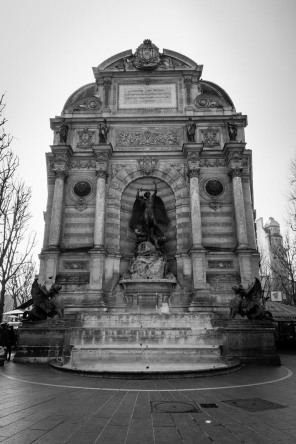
{"x": 128, "y": 238}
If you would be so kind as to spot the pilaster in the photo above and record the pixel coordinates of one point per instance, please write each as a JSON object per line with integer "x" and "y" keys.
{"x": 61, "y": 160}
{"x": 197, "y": 251}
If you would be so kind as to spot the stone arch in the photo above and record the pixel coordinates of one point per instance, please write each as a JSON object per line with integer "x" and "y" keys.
{"x": 168, "y": 173}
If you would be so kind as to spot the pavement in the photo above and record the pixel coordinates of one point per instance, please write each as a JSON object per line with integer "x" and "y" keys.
{"x": 41, "y": 405}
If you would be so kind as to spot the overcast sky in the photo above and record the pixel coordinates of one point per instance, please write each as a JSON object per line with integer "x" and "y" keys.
{"x": 247, "y": 47}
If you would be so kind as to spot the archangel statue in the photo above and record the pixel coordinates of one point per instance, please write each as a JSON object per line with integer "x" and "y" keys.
{"x": 148, "y": 212}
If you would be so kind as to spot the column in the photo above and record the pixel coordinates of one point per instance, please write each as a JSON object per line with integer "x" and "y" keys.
{"x": 60, "y": 162}
{"x": 239, "y": 207}
{"x": 57, "y": 208}
{"x": 99, "y": 230}
{"x": 98, "y": 253}
{"x": 234, "y": 152}
{"x": 193, "y": 173}
{"x": 198, "y": 253}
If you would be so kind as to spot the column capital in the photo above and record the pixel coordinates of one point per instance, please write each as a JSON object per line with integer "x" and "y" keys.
{"x": 61, "y": 159}
{"x": 193, "y": 167}
{"x": 236, "y": 171}
{"x": 60, "y": 173}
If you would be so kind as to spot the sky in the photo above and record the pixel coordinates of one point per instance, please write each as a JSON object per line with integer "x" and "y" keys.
{"x": 246, "y": 46}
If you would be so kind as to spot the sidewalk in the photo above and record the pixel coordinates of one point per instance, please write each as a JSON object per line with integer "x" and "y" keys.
{"x": 254, "y": 405}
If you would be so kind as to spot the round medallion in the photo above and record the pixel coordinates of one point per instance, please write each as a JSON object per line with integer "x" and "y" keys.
{"x": 202, "y": 102}
{"x": 82, "y": 188}
{"x": 214, "y": 187}
{"x": 92, "y": 104}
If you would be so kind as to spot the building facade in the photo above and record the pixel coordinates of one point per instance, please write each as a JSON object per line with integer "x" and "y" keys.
{"x": 149, "y": 117}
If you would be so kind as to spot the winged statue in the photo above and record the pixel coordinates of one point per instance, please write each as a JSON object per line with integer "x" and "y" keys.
{"x": 148, "y": 212}
{"x": 246, "y": 303}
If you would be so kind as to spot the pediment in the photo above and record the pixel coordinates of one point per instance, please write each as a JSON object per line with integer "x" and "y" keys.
{"x": 147, "y": 58}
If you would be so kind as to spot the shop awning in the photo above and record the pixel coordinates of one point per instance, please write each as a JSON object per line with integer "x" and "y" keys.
{"x": 281, "y": 312}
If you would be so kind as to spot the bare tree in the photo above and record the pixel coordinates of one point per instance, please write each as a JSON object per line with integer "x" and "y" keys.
{"x": 16, "y": 244}
{"x": 291, "y": 195}
{"x": 19, "y": 287}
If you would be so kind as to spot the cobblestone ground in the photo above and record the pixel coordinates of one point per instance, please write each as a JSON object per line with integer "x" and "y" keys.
{"x": 254, "y": 405}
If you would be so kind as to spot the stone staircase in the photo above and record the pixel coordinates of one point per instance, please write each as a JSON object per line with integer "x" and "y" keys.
{"x": 135, "y": 343}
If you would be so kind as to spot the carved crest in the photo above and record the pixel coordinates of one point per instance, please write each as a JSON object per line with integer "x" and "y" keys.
{"x": 210, "y": 137}
{"x": 147, "y": 56}
{"x": 147, "y": 165}
{"x": 85, "y": 138}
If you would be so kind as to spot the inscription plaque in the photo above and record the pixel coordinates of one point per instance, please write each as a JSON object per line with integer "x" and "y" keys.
{"x": 147, "y": 96}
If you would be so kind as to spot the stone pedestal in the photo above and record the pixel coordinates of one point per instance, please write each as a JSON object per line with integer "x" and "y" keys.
{"x": 253, "y": 342}
{"x": 40, "y": 342}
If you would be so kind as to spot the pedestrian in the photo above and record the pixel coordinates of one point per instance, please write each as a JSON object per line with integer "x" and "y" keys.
{"x": 7, "y": 339}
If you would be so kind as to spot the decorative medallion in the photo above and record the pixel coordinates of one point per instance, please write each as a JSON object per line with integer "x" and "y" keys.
{"x": 147, "y": 56}
{"x": 209, "y": 101}
{"x": 86, "y": 105}
{"x": 147, "y": 165}
{"x": 214, "y": 187}
{"x": 210, "y": 137}
{"x": 82, "y": 188}
{"x": 85, "y": 138}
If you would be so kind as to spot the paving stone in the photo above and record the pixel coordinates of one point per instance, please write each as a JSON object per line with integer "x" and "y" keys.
{"x": 25, "y": 437}
{"x": 79, "y": 415}
{"x": 140, "y": 431}
{"x": 113, "y": 434}
{"x": 165, "y": 435}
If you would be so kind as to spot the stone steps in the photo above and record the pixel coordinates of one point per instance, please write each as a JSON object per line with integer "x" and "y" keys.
{"x": 133, "y": 337}
{"x": 129, "y": 361}
{"x": 149, "y": 320}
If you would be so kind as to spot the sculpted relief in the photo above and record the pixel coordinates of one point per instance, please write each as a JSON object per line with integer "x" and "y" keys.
{"x": 152, "y": 136}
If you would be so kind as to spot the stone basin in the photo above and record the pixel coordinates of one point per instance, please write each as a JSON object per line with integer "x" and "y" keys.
{"x": 147, "y": 295}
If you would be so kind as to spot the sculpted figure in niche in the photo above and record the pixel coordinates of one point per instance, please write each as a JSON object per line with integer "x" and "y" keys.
{"x": 232, "y": 130}
{"x": 103, "y": 131}
{"x": 190, "y": 130}
{"x": 148, "y": 212}
{"x": 63, "y": 131}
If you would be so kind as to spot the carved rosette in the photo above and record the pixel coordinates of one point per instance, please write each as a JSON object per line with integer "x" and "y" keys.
{"x": 147, "y": 165}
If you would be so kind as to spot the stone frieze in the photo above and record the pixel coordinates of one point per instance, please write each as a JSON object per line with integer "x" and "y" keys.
{"x": 170, "y": 137}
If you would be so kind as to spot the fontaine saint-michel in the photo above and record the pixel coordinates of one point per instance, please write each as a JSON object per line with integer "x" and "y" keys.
{"x": 149, "y": 223}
